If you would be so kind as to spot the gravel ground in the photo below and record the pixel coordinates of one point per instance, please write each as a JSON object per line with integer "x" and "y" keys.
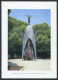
{"x": 40, "y": 64}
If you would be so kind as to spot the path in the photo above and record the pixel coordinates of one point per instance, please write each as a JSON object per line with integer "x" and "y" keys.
{"x": 40, "y": 64}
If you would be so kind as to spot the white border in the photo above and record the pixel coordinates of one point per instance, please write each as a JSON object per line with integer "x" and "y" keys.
{"x": 29, "y": 5}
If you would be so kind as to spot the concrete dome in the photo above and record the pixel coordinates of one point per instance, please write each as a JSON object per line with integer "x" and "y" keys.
{"x": 29, "y": 34}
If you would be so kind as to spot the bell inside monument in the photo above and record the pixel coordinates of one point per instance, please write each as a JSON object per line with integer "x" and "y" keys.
{"x": 29, "y": 50}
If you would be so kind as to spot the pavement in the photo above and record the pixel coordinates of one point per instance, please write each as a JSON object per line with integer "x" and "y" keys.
{"x": 40, "y": 64}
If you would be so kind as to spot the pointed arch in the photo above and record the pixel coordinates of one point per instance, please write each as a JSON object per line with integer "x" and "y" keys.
{"x": 29, "y": 52}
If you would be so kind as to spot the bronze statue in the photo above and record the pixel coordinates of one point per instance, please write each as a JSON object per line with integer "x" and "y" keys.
{"x": 28, "y": 16}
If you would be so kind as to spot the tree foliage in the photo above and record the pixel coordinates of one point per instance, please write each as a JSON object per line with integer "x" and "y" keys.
{"x": 9, "y": 11}
{"x": 16, "y": 30}
{"x": 42, "y": 36}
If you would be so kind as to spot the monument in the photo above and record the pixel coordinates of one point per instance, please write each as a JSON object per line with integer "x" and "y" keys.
{"x": 29, "y": 44}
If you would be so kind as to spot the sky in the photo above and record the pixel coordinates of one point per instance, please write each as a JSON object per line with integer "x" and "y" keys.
{"x": 38, "y": 15}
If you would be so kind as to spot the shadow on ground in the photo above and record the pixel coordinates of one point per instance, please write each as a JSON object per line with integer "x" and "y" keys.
{"x": 11, "y": 63}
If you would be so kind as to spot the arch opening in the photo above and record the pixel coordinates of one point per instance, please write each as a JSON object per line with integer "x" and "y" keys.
{"x": 29, "y": 50}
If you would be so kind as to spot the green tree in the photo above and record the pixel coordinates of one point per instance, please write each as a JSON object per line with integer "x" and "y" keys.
{"x": 42, "y": 35}
{"x": 16, "y": 30}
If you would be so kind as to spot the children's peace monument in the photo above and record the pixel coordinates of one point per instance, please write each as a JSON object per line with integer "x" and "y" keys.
{"x": 29, "y": 44}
